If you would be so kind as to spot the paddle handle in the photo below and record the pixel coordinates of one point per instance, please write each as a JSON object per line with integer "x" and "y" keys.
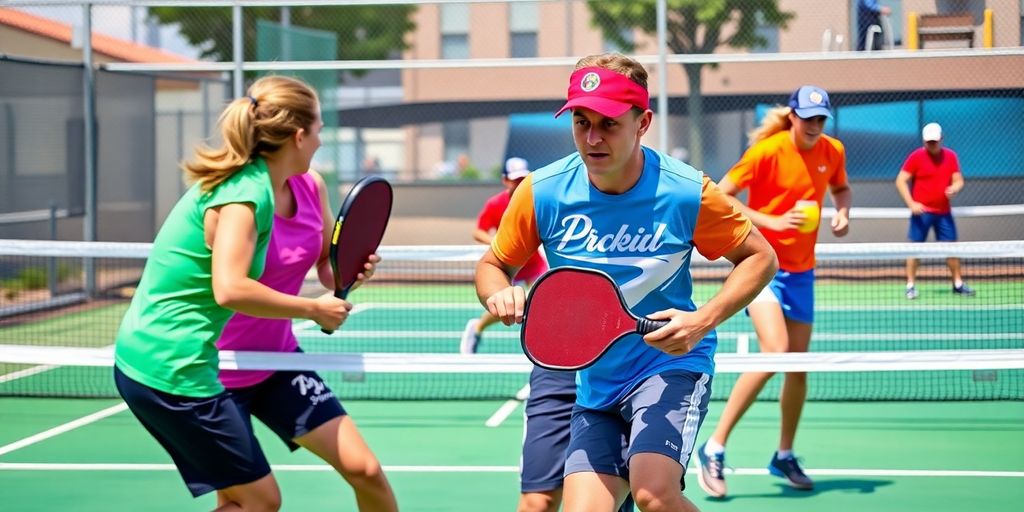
{"x": 341, "y": 293}
{"x": 645, "y": 325}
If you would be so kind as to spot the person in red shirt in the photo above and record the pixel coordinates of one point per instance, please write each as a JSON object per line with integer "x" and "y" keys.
{"x": 789, "y": 167}
{"x": 927, "y": 181}
{"x": 516, "y": 169}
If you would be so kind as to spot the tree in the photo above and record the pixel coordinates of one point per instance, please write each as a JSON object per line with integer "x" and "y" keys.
{"x": 364, "y": 31}
{"x": 693, "y": 27}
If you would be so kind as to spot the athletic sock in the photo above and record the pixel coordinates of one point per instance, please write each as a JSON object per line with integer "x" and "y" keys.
{"x": 712, "y": 447}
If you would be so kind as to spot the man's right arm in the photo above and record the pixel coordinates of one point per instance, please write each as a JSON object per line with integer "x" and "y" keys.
{"x": 516, "y": 240}
{"x": 903, "y": 186}
{"x": 495, "y": 291}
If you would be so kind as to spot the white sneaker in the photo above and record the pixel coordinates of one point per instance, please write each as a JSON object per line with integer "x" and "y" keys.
{"x": 470, "y": 338}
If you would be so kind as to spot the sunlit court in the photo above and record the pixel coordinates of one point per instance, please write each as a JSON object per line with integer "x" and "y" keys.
{"x": 915, "y": 367}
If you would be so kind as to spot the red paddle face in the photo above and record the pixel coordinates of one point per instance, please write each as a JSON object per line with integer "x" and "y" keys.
{"x": 358, "y": 231}
{"x": 572, "y": 317}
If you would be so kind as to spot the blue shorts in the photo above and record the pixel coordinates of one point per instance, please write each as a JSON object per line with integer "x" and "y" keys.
{"x": 793, "y": 292}
{"x": 662, "y": 415}
{"x": 942, "y": 223}
{"x": 290, "y": 403}
{"x": 209, "y": 439}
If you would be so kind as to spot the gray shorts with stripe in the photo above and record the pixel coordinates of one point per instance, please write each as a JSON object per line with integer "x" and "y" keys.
{"x": 662, "y": 415}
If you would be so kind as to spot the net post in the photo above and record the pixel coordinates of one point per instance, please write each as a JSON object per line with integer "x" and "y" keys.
{"x": 743, "y": 344}
{"x": 51, "y": 262}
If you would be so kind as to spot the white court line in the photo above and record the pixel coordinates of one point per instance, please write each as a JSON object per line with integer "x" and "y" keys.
{"x": 508, "y": 407}
{"x": 27, "y": 372}
{"x": 922, "y": 307}
{"x": 284, "y": 468}
{"x": 71, "y": 425}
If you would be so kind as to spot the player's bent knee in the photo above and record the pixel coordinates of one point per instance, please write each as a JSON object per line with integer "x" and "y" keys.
{"x": 650, "y": 501}
{"x": 368, "y": 474}
{"x": 659, "y": 494}
{"x": 537, "y": 502}
{"x": 262, "y": 495}
{"x": 258, "y": 502}
{"x": 776, "y": 346}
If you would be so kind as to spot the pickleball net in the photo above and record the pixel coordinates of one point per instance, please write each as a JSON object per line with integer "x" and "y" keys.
{"x": 61, "y": 304}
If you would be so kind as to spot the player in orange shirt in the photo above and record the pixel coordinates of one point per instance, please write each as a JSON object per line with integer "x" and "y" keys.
{"x": 787, "y": 170}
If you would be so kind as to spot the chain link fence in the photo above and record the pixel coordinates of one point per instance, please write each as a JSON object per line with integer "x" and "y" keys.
{"x": 442, "y": 92}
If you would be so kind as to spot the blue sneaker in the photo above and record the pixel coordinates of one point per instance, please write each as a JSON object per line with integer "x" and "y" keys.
{"x": 911, "y": 293}
{"x": 963, "y": 290}
{"x": 789, "y": 469}
{"x": 710, "y": 472}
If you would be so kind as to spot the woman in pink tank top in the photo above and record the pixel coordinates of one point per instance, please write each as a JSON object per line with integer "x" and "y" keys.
{"x": 297, "y": 405}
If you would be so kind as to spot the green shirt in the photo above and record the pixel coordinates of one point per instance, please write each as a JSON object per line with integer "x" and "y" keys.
{"x": 168, "y": 336}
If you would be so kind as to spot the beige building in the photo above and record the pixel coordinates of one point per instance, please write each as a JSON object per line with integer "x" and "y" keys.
{"x": 538, "y": 29}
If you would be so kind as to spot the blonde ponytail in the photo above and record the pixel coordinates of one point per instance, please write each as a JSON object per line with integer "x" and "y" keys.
{"x": 775, "y": 121}
{"x": 255, "y": 125}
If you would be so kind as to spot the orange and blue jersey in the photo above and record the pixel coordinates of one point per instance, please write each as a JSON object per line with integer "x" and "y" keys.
{"x": 490, "y": 218}
{"x": 777, "y": 174}
{"x": 642, "y": 238}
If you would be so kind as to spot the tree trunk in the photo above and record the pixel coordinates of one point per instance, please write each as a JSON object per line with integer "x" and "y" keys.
{"x": 695, "y": 113}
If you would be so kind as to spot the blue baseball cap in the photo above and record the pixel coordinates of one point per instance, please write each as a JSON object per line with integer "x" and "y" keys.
{"x": 809, "y": 101}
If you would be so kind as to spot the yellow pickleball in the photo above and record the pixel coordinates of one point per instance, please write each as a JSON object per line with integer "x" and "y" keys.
{"x": 813, "y": 214}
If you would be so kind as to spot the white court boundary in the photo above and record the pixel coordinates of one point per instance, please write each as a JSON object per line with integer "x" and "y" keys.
{"x": 60, "y": 429}
{"x": 288, "y": 468}
{"x": 110, "y": 411}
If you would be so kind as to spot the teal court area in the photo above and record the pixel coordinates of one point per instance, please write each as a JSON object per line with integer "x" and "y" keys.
{"x": 879, "y": 441}
{"x": 440, "y": 456}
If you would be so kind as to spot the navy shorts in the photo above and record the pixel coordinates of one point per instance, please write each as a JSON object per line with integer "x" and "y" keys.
{"x": 209, "y": 439}
{"x": 291, "y": 403}
{"x": 546, "y": 435}
{"x": 662, "y": 415}
{"x": 942, "y": 223}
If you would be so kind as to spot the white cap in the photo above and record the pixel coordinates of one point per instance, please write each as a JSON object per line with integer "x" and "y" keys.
{"x": 931, "y": 132}
{"x": 516, "y": 168}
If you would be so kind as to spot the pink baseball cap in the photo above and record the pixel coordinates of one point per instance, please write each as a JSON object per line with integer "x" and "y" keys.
{"x": 604, "y": 91}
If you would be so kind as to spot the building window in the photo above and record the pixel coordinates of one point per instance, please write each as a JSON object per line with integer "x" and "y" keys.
{"x": 770, "y": 33}
{"x": 522, "y": 20}
{"x": 454, "y": 31}
{"x": 612, "y": 47}
{"x": 456, "y": 140}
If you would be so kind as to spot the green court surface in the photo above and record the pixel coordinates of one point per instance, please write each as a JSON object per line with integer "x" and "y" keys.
{"x": 440, "y": 456}
{"x": 91, "y": 454}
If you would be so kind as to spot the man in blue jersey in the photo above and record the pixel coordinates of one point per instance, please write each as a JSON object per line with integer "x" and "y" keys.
{"x": 636, "y": 214}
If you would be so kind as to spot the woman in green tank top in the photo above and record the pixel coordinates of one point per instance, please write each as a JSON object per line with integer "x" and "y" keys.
{"x": 203, "y": 267}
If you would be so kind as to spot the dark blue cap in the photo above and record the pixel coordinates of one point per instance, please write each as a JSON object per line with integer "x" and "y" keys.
{"x": 809, "y": 101}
